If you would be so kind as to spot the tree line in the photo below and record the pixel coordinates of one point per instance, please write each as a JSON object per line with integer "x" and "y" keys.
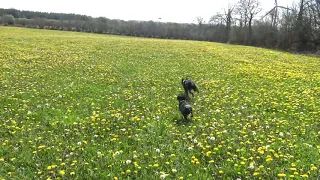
{"x": 294, "y": 28}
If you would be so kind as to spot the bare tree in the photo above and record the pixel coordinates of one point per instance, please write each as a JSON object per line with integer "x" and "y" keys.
{"x": 248, "y": 9}
{"x": 200, "y": 21}
{"x": 228, "y": 15}
{"x": 224, "y": 19}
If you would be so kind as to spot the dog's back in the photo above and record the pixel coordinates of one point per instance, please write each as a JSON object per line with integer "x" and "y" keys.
{"x": 189, "y": 85}
{"x": 185, "y": 108}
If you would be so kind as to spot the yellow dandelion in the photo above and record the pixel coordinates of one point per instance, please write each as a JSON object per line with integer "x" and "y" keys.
{"x": 256, "y": 173}
{"x": 269, "y": 159}
{"x": 62, "y": 172}
{"x": 305, "y": 176}
{"x": 208, "y": 153}
{"x": 41, "y": 147}
{"x": 281, "y": 175}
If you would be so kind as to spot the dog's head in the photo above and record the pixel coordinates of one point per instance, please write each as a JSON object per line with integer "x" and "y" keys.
{"x": 182, "y": 97}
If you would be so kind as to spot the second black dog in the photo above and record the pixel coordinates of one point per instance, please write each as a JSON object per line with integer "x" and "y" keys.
{"x": 184, "y": 106}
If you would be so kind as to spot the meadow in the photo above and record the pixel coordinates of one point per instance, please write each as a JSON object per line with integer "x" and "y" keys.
{"x": 88, "y": 106}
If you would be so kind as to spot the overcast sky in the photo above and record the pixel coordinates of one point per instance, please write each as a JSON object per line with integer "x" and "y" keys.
{"x": 183, "y": 11}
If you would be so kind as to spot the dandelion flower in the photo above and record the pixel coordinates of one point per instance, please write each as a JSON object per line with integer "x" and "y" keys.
{"x": 281, "y": 175}
{"x": 62, "y": 172}
{"x": 128, "y": 161}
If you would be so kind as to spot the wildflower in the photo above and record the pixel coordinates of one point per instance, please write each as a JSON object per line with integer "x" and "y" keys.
{"x": 62, "y": 172}
{"x": 163, "y": 176}
{"x": 305, "y": 176}
{"x": 313, "y": 167}
{"x": 41, "y": 147}
{"x": 212, "y": 138}
{"x": 128, "y": 161}
{"x": 158, "y": 150}
{"x": 174, "y": 170}
{"x": 251, "y": 166}
{"x": 256, "y": 173}
{"x": 220, "y": 172}
{"x": 194, "y": 160}
{"x": 208, "y": 153}
{"x": 72, "y": 173}
{"x": 281, "y": 175}
{"x": 79, "y": 143}
{"x": 269, "y": 158}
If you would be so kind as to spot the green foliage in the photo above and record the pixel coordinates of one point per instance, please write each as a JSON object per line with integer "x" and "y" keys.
{"x": 8, "y": 19}
{"x": 87, "y": 106}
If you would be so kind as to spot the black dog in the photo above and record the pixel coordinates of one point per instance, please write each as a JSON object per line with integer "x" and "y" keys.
{"x": 184, "y": 106}
{"x": 188, "y": 86}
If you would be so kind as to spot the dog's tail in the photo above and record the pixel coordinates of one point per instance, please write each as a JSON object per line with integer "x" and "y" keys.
{"x": 182, "y": 80}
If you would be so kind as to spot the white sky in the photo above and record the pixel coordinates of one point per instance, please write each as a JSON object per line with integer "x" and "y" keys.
{"x": 183, "y": 11}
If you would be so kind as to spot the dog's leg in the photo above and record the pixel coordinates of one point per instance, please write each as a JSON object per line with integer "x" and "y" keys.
{"x": 186, "y": 92}
{"x": 185, "y": 117}
{"x": 192, "y": 93}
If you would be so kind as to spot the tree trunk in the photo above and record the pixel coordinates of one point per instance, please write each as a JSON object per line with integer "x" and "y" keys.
{"x": 228, "y": 25}
{"x": 300, "y": 41}
{"x": 249, "y": 40}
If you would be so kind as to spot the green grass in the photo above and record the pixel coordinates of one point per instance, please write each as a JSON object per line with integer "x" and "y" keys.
{"x": 87, "y": 106}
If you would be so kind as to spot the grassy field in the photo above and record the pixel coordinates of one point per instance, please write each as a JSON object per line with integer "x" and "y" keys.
{"x": 88, "y": 106}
